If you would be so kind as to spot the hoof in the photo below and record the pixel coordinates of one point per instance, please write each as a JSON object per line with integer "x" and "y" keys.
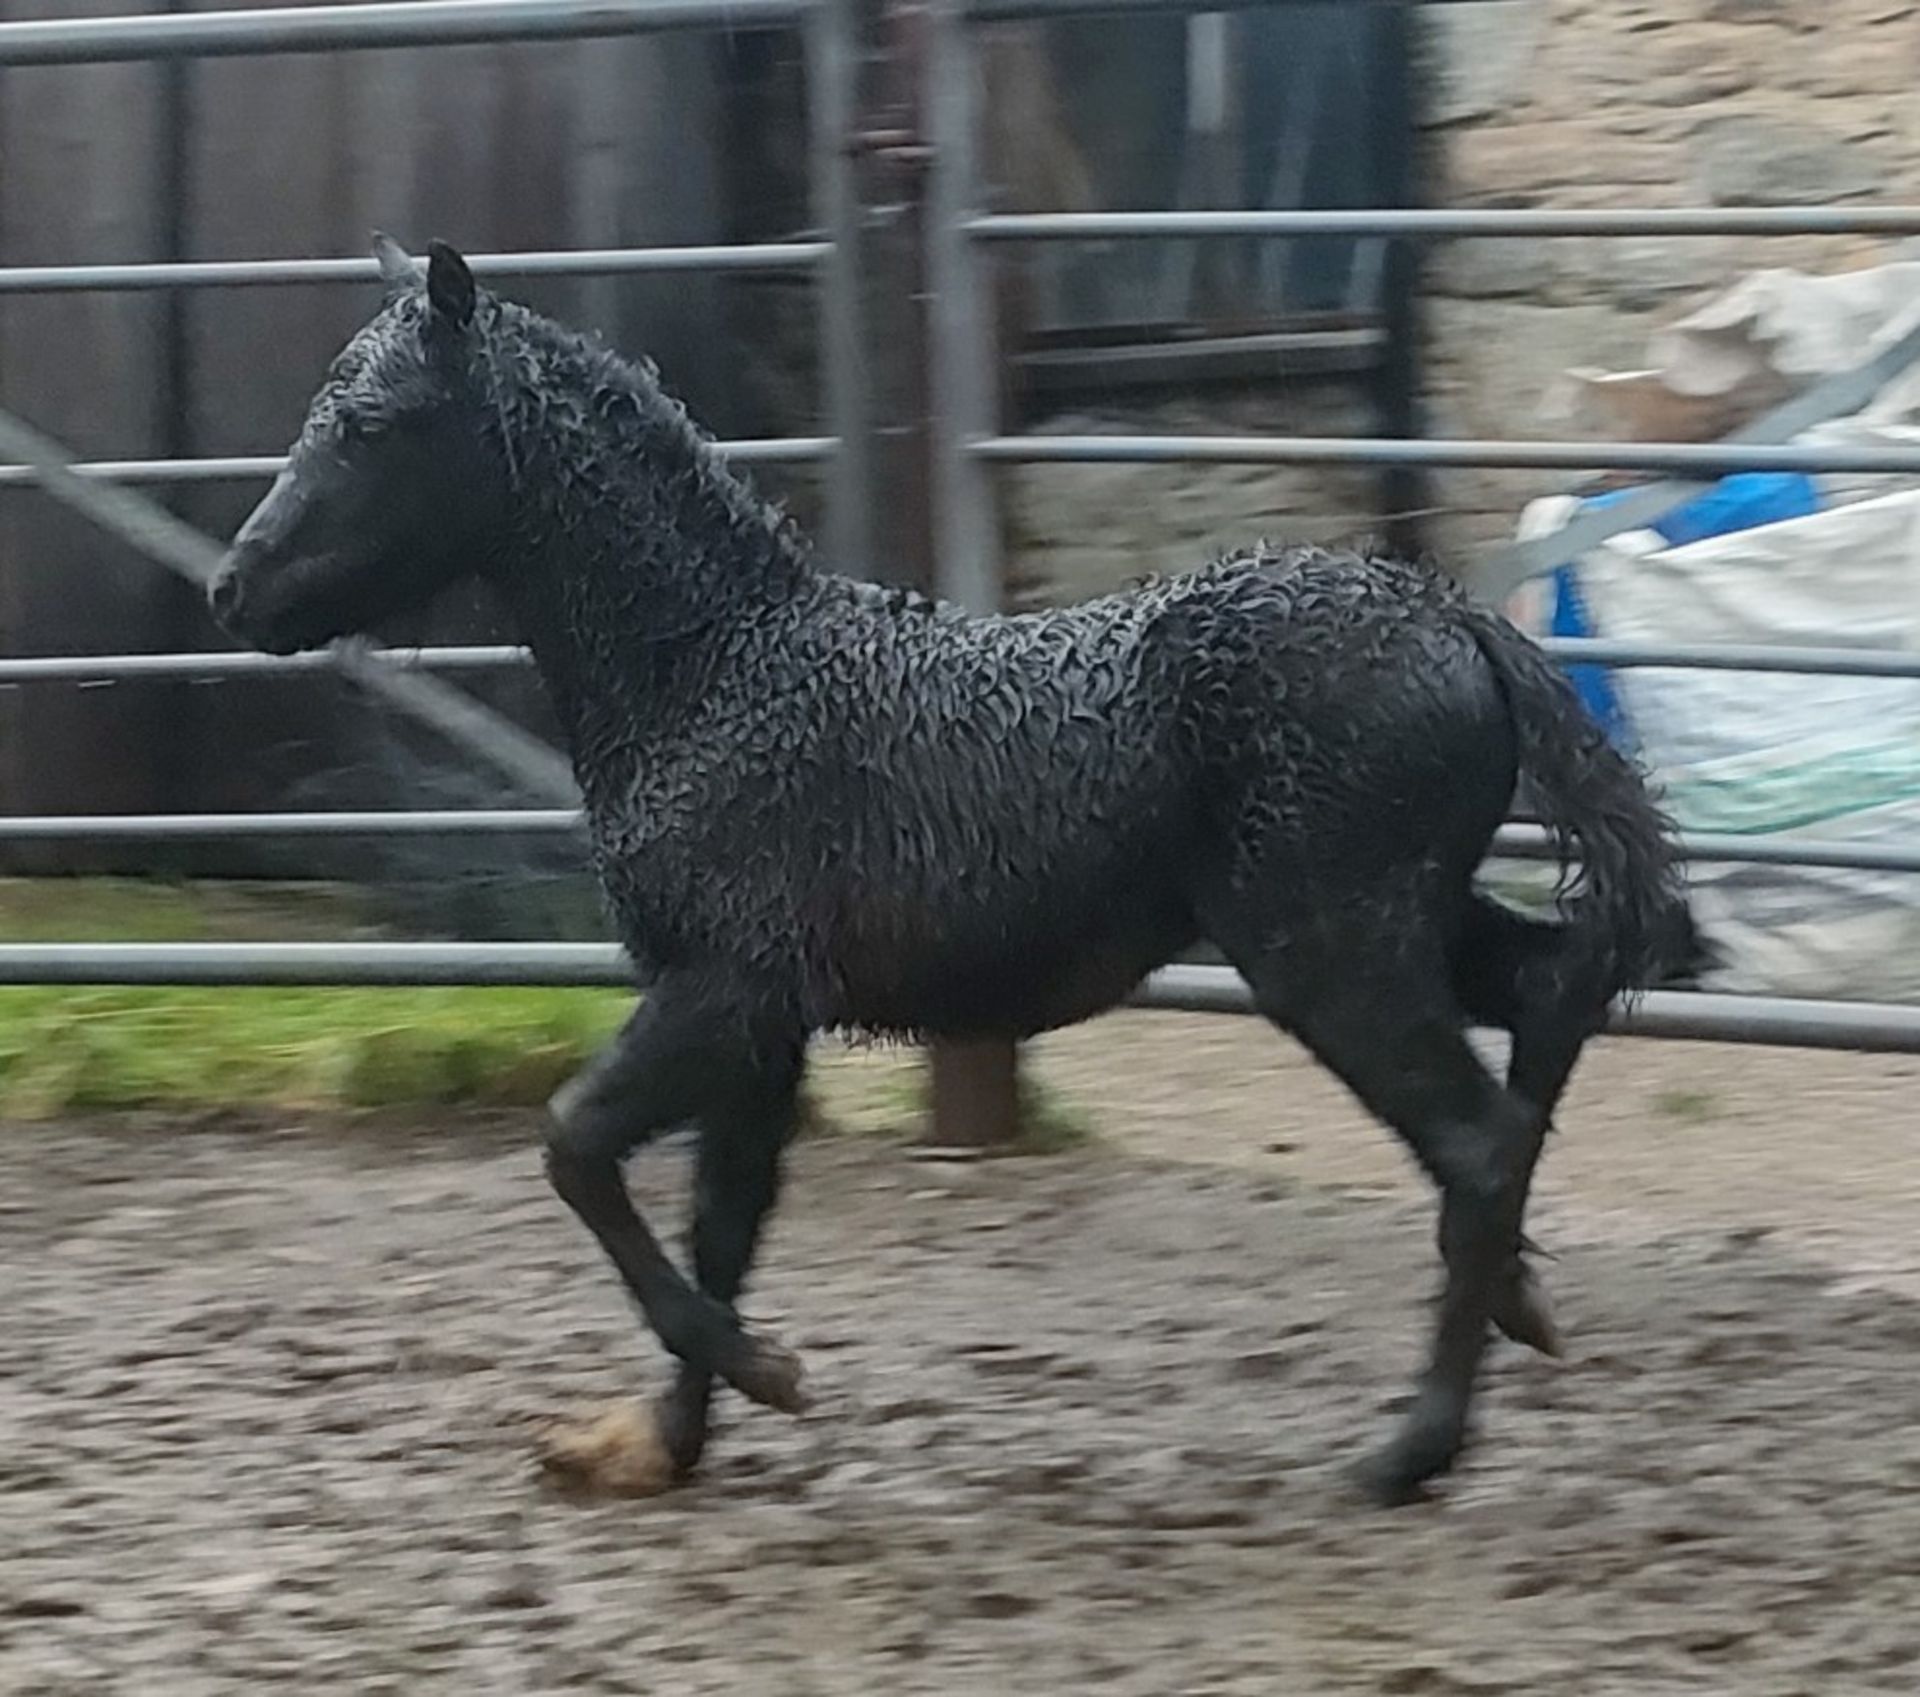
{"x": 766, "y": 1373}
{"x": 684, "y": 1416}
{"x": 1420, "y": 1452}
{"x": 619, "y": 1452}
{"x": 1524, "y": 1313}
{"x": 1386, "y": 1482}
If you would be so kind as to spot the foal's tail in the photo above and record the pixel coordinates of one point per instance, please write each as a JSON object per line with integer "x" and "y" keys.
{"x": 1626, "y": 925}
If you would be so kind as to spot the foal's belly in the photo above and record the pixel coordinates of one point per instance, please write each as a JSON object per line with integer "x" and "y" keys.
{"x": 1026, "y": 985}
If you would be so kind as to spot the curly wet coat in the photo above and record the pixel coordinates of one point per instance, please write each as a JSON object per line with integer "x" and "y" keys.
{"x": 820, "y": 803}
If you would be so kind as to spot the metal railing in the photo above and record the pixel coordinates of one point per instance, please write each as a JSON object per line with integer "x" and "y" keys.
{"x": 218, "y": 666}
{"x": 1516, "y": 841}
{"x": 1512, "y": 841}
{"x": 1690, "y": 1015}
{"x": 831, "y": 56}
{"x": 241, "y": 468}
{"x": 335, "y": 29}
{"x": 1451, "y": 223}
{"x": 964, "y": 344}
{"x": 1694, "y": 459}
{"x": 967, "y": 445}
{"x": 265, "y": 273}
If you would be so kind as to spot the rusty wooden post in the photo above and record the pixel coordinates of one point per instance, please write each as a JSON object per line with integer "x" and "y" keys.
{"x": 976, "y": 1086}
{"x": 932, "y": 358}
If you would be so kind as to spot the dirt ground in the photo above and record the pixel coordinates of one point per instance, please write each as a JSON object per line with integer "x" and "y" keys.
{"x": 267, "y": 1396}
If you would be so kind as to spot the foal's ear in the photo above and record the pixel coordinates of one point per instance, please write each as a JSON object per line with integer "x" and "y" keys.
{"x": 397, "y": 271}
{"x": 450, "y": 287}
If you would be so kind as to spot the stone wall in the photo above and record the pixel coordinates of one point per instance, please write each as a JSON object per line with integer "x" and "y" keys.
{"x": 1635, "y": 103}
{"x": 1076, "y": 531}
{"x": 1079, "y": 530}
{"x": 1580, "y": 103}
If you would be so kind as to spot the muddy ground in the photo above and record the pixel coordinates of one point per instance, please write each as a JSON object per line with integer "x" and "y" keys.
{"x": 267, "y": 1395}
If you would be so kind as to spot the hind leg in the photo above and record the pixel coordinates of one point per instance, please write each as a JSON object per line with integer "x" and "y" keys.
{"x": 1545, "y": 1048}
{"x": 1510, "y": 972}
{"x": 1384, "y": 1021}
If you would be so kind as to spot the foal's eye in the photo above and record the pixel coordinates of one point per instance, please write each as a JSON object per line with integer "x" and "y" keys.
{"x": 361, "y": 428}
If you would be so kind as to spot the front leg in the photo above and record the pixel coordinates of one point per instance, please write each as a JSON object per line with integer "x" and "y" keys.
{"x": 736, "y": 1185}
{"x": 683, "y": 1056}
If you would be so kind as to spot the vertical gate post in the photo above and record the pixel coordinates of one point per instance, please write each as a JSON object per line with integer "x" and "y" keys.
{"x": 963, "y": 364}
{"x": 1396, "y": 142}
{"x": 834, "y": 56}
{"x": 975, "y": 1085}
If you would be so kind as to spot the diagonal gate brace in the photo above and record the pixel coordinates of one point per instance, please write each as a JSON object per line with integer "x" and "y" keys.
{"x": 516, "y": 754}
{"x": 1832, "y": 397}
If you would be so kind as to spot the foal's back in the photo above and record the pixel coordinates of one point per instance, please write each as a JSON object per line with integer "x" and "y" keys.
{"x": 1001, "y": 824}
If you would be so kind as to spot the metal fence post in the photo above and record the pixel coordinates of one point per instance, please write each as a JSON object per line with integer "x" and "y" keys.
{"x": 1403, "y": 489}
{"x": 916, "y": 351}
{"x": 959, "y": 302}
{"x": 976, "y": 1086}
{"x": 833, "y": 63}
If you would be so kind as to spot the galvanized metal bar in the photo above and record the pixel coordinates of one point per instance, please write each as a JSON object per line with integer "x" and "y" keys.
{"x": 1863, "y": 1026}
{"x": 261, "y": 273}
{"x": 1734, "y": 657}
{"x": 1713, "y": 459}
{"x": 1792, "y": 1022}
{"x": 962, "y": 396}
{"x": 239, "y": 468}
{"x": 833, "y": 61}
{"x": 1522, "y": 841}
{"x": 1392, "y": 144}
{"x": 332, "y": 29}
{"x": 1832, "y": 397}
{"x": 243, "y": 663}
{"x": 1530, "y": 842}
{"x": 231, "y": 468}
{"x": 342, "y": 964}
{"x": 515, "y": 753}
{"x": 997, "y": 11}
{"x": 539, "y": 768}
{"x": 143, "y": 524}
{"x": 1278, "y": 354}
{"x": 222, "y": 827}
{"x": 1779, "y": 1021}
{"x": 1450, "y": 223}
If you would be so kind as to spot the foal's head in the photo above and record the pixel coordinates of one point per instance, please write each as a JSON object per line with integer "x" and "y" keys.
{"x": 396, "y": 486}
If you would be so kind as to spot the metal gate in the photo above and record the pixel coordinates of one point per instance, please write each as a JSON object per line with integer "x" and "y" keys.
{"x": 966, "y": 442}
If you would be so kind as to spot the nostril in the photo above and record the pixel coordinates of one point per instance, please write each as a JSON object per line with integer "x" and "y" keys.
{"x": 223, "y": 595}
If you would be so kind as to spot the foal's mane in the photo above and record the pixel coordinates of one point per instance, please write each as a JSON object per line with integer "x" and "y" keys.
{"x": 581, "y": 425}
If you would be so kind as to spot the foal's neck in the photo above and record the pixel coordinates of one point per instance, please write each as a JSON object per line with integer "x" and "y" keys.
{"x": 633, "y": 550}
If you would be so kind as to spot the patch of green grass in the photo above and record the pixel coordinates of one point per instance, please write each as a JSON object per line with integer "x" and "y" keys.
{"x": 1693, "y": 1107}
{"x": 68, "y": 1050}
{"x": 1050, "y": 1124}
{"x": 65, "y": 1051}
{"x": 147, "y": 910}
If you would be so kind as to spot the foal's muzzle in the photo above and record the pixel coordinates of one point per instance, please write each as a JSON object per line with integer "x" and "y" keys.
{"x": 223, "y": 596}
{"x": 234, "y": 609}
